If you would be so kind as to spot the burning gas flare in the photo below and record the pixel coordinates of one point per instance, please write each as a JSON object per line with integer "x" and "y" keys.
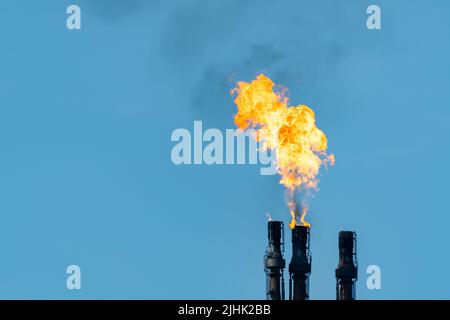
{"x": 300, "y": 147}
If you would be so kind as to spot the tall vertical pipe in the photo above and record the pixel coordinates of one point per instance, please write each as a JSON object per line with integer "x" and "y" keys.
{"x": 274, "y": 262}
{"x": 300, "y": 265}
{"x": 347, "y": 269}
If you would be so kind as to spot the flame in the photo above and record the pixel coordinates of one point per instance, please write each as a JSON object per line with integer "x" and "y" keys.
{"x": 293, "y": 222}
{"x": 302, "y": 218}
{"x": 300, "y": 147}
{"x": 293, "y": 211}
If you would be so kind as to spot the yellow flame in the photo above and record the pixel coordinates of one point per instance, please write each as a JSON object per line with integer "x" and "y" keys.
{"x": 300, "y": 147}
{"x": 293, "y": 222}
{"x": 302, "y": 218}
{"x": 293, "y": 211}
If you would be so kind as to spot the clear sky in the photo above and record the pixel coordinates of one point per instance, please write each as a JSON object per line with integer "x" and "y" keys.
{"x": 86, "y": 118}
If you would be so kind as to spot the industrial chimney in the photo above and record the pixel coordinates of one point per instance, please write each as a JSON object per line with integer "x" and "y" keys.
{"x": 300, "y": 266}
{"x": 273, "y": 261}
{"x": 347, "y": 269}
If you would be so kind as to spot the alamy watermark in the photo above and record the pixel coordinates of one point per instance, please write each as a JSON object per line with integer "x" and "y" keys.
{"x": 214, "y": 147}
{"x": 73, "y": 21}
{"x": 373, "y": 22}
{"x": 374, "y": 279}
{"x": 73, "y": 281}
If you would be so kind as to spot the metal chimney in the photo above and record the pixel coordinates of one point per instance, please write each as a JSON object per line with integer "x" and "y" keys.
{"x": 300, "y": 266}
{"x": 347, "y": 269}
{"x": 274, "y": 262}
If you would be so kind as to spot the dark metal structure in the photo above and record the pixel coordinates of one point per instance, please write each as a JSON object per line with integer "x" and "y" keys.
{"x": 274, "y": 262}
{"x": 300, "y": 265}
{"x": 347, "y": 269}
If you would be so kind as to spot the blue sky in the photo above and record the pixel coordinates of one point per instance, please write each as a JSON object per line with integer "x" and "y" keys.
{"x": 85, "y": 124}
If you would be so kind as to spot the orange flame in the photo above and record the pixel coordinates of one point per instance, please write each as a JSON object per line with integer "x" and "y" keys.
{"x": 300, "y": 147}
{"x": 302, "y": 219}
{"x": 293, "y": 211}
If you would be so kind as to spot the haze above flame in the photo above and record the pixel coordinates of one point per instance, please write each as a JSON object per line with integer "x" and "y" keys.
{"x": 300, "y": 147}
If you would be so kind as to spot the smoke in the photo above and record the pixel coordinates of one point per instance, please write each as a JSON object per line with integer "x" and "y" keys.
{"x": 217, "y": 80}
{"x": 299, "y": 48}
{"x": 195, "y": 26}
{"x": 262, "y": 56}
